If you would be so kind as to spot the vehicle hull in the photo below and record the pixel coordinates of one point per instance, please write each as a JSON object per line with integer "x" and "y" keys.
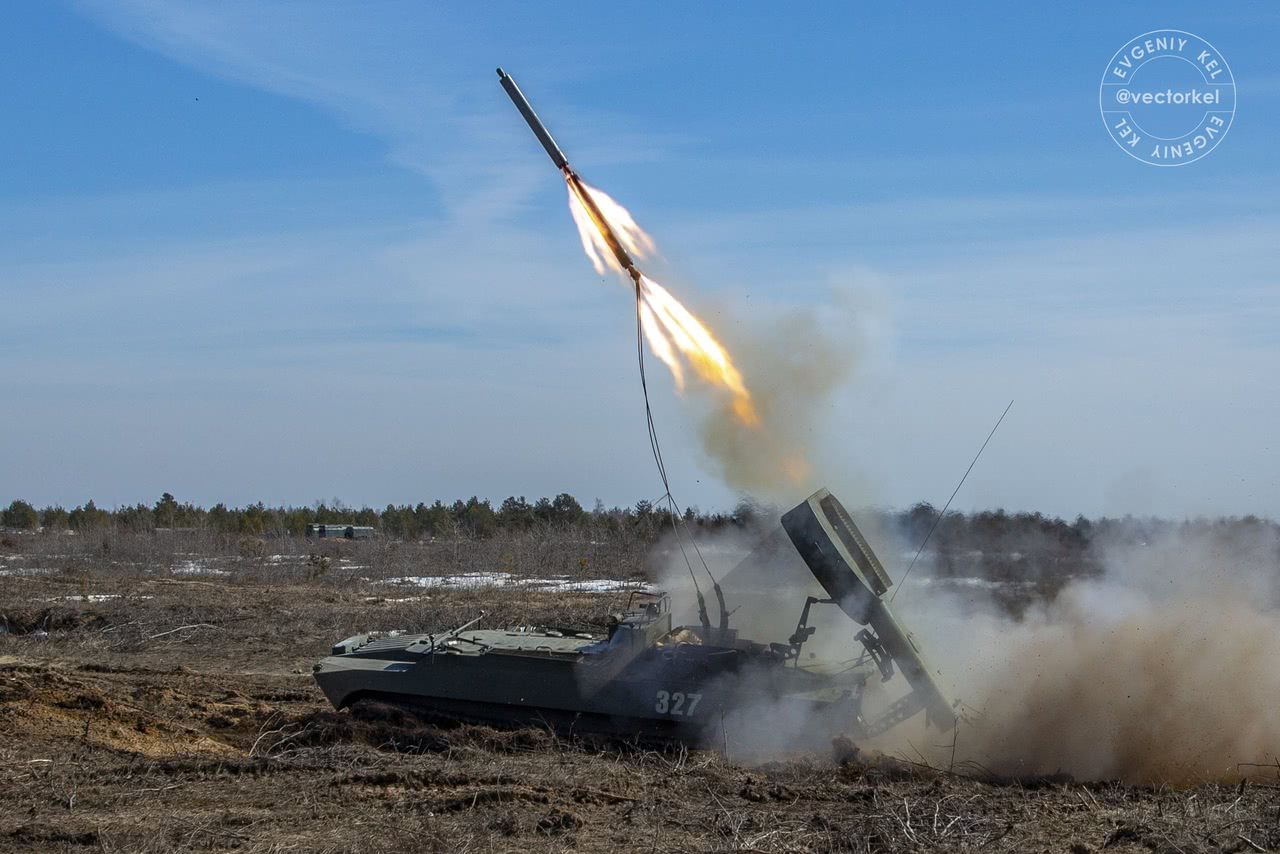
{"x": 695, "y": 698}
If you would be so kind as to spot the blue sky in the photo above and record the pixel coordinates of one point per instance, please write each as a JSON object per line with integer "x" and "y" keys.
{"x": 301, "y": 251}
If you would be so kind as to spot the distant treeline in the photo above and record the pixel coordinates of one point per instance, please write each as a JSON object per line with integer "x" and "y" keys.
{"x": 1001, "y": 542}
{"x": 469, "y": 518}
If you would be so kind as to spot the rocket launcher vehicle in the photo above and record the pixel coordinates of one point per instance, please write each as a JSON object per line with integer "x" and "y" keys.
{"x": 648, "y": 677}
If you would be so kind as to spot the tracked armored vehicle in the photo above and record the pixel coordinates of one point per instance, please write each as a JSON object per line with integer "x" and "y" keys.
{"x": 646, "y": 678}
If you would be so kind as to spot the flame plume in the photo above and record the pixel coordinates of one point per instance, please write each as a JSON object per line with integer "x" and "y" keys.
{"x": 677, "y": 337}
{"x": 632, "y": 237}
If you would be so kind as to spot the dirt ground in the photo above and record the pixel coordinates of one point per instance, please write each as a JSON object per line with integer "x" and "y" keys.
{"x": 145, "y": 710}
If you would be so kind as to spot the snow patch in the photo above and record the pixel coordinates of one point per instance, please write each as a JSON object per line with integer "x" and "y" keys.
{"x": 27, "y": 570}
{"x": 196, "y": 567}
{"x": 505, "y": 579}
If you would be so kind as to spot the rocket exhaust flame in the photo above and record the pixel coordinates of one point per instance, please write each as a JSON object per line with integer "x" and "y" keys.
{"x": 601, "y": 220}
{"x": 675, "y": 334}
{"x": 612, "y": 240}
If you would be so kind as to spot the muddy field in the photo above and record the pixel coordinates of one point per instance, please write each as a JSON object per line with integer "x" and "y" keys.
{"x": 162, "y": 701}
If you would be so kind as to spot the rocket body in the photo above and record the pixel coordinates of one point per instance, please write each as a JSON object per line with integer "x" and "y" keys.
{"x": 535, "y": 123}
{"x": 576, "y": 184}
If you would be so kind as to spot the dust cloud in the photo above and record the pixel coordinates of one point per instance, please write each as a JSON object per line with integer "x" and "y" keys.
{"x": 1164, "y": 669}
{"x": 1161, "y": 669}
{"x": 765, "y": 583}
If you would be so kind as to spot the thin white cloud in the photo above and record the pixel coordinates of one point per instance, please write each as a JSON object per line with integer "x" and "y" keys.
{"x": 423, "y": 86}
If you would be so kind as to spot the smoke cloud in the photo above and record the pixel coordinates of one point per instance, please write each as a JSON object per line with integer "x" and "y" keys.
{"x": 1162, "y": 667}
{"x": 765, "y": 583}
{"x": 792, "y": 369}
{"x": 1162, "y": 670}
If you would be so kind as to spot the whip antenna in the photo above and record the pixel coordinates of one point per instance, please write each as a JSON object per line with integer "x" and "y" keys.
{"x": 938, "y": 520}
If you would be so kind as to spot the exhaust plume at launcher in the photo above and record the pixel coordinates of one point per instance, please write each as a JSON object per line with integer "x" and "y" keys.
{"x": 613, "y": 241}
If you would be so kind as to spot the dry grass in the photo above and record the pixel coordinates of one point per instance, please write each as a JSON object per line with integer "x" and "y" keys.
{"x": 545, "y": 552}
{"x": 179, "y": 715}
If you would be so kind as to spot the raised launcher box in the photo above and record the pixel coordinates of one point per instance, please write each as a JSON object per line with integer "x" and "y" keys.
{"x": 842, "y": 561}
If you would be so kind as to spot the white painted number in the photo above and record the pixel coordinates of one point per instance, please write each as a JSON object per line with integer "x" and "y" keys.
{"x": 676, "y": 703}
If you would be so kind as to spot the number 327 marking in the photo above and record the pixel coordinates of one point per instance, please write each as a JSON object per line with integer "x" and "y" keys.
{"x": 676, "y": 703}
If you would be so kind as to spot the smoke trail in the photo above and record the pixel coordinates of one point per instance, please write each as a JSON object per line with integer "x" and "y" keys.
{"x": 793, "y": 367}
